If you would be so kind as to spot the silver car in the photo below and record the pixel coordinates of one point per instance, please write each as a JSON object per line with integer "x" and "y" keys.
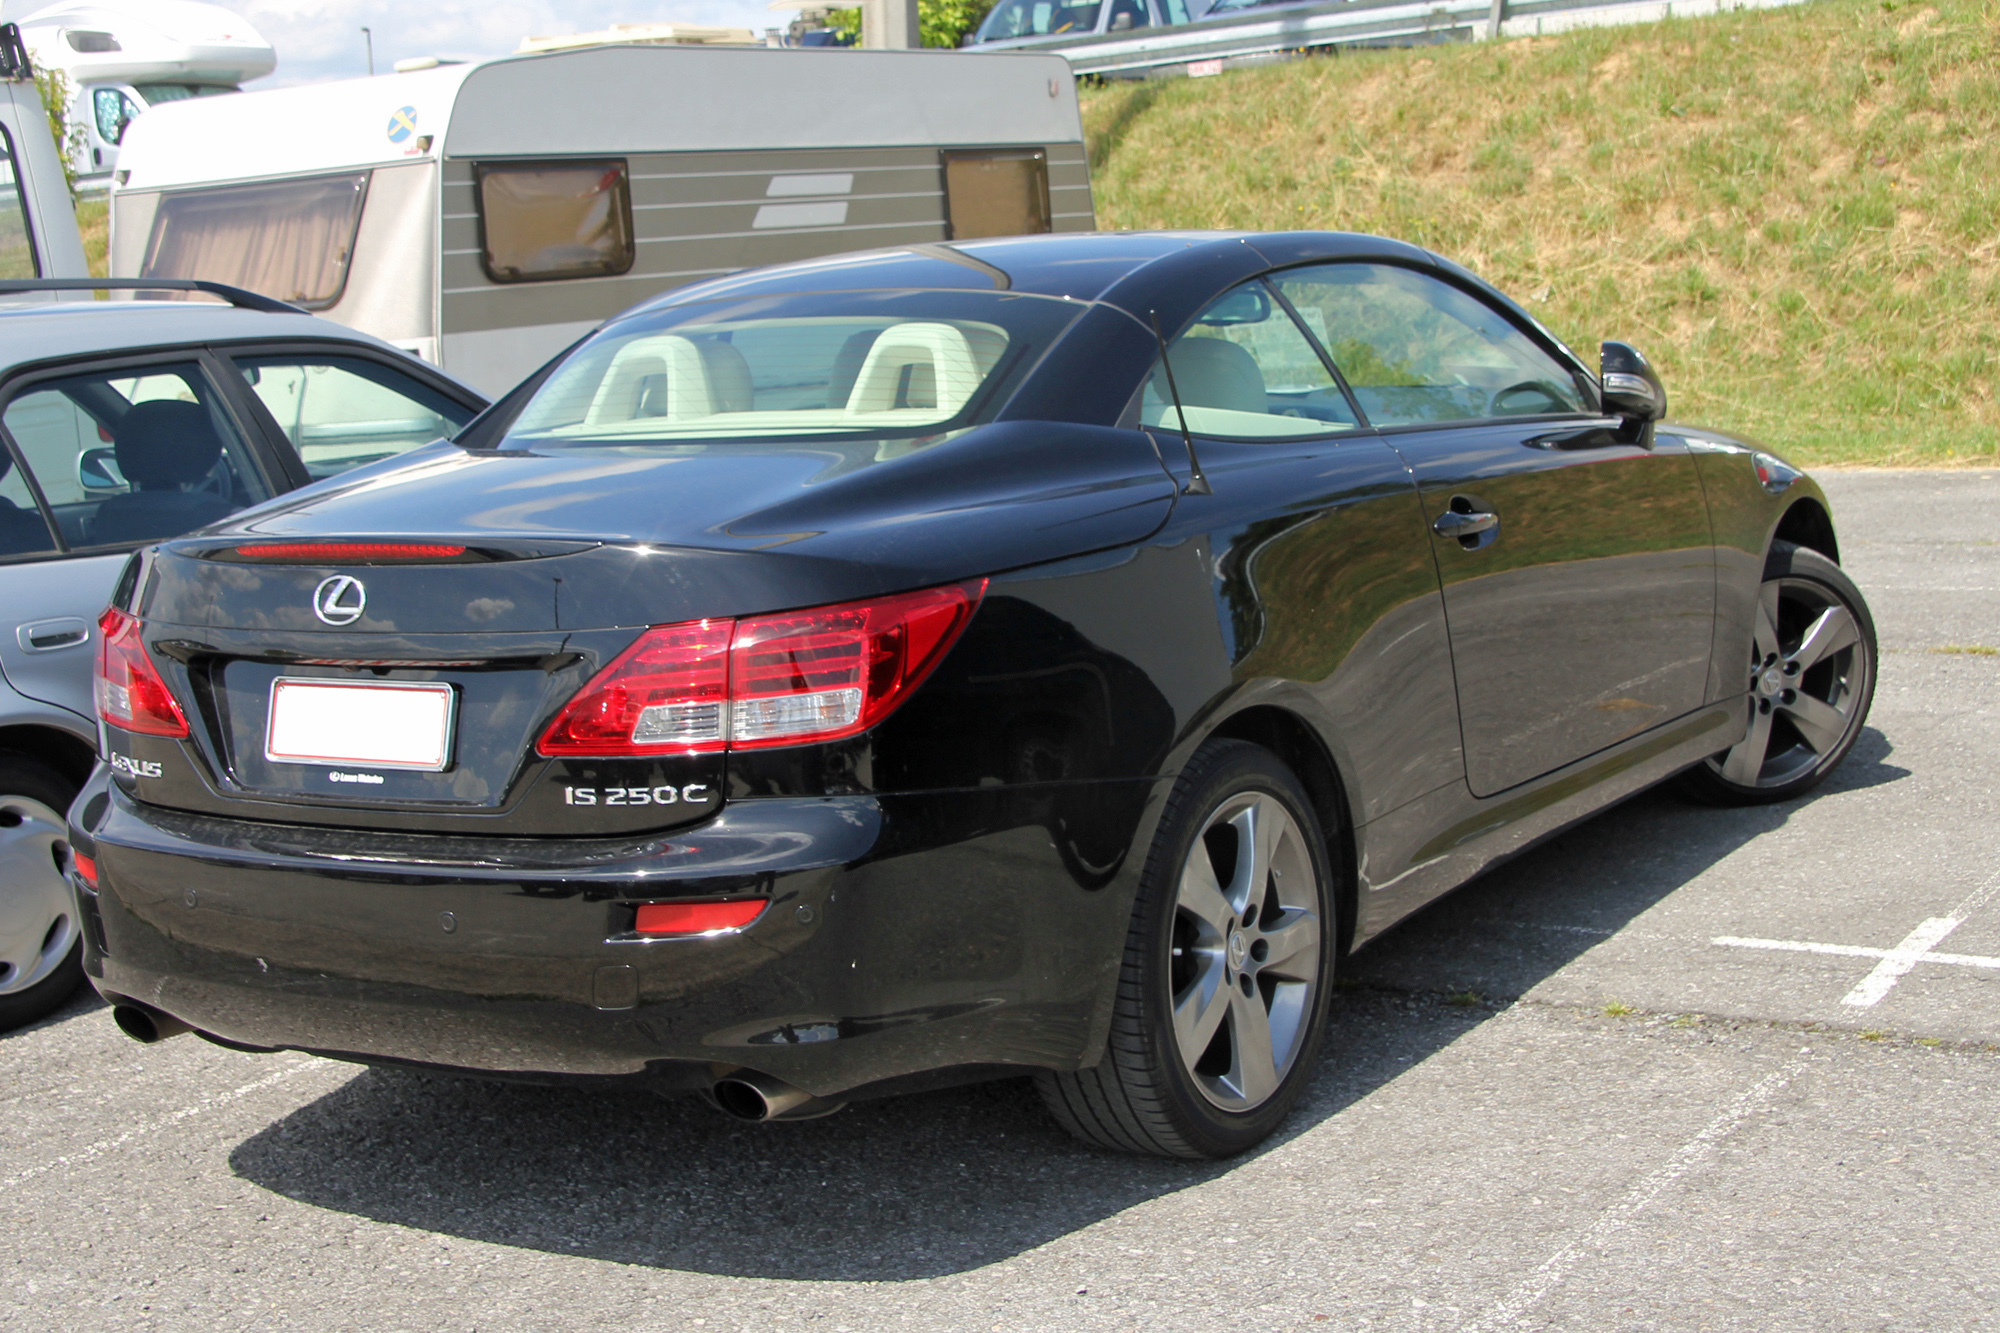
{"x": 1012, "y": 24}
{"x": 124, "y": 422}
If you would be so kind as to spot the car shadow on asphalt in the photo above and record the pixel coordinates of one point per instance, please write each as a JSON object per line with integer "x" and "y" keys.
{"x": 939, "y": 1183}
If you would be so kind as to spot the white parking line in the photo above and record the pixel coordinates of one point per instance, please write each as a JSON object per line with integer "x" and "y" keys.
{"x": 1894, "y": 964}
{"x": 1620, "y": 1215}
{"x": 209, "y": 1103}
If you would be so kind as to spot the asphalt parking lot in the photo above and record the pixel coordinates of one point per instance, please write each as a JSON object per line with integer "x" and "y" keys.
{"x": 1679, "y": 1069}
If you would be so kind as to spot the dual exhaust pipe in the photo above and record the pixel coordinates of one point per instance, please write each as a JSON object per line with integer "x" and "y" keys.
{"x": 746, "y": 1096}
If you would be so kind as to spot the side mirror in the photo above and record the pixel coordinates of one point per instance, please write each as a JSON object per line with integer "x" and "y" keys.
{"x": 1631, "y": 389}
{"x": 97, "y": 470}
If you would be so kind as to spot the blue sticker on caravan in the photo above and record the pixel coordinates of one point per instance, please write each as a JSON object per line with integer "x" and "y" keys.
{"x": 403, "y": 124}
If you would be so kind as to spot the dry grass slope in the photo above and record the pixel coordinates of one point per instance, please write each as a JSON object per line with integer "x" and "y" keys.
{"x": 1795, "y": 212}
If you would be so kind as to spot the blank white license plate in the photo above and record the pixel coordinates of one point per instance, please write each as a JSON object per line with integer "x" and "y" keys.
{"x": 372, "y": 726}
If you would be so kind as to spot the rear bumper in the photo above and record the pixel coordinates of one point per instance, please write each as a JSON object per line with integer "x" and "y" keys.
{"x": 904, "y": 935}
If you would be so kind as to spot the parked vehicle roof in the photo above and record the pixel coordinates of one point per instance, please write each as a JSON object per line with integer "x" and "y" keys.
{"x": 37, "y": 330}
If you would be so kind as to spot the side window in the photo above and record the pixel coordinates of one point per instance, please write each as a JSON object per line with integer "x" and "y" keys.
{"x": 1244, "y": 370}
{"x": 1173, "y": 11}
{"x": 555, "y": 220}
{"x": 1415, "y": 349}
{"x": 133, "y": 455}
{"x": 342, "y": 411}
{"x": 114, "y": 111}
{"x": 996, "y": 192}
{"x": 22, "y": 531}
{"x": 17, "y": 242}
{"x": 290, "y": 239}
{"x": 1128, "y": 14}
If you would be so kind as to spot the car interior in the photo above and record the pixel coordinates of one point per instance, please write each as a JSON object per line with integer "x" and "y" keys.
{"x": 131, "y": 455}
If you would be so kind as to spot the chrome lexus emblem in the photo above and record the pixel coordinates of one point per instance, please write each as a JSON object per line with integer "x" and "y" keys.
{"x": 340, "y": 600}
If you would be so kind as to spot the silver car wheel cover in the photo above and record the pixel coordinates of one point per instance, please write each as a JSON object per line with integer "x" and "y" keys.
{"x": 1809, "y": 670}
{"x": 37, "y": 919}
{"x": 1244, "y": 968}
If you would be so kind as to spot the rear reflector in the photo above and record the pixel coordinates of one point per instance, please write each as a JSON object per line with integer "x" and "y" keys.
{"x": 331, "y": 552}
{"x": 697, "y": 918}
{"x": 791, "y": 679}
{"x": 86, "y": 867}
{"x": 130, "y": 693}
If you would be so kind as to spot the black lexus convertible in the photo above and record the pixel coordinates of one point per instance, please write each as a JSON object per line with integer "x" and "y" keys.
{"x": 1049, "y": 655}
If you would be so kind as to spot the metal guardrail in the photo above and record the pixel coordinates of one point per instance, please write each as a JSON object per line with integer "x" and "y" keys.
{"x": 1260, "y": 35}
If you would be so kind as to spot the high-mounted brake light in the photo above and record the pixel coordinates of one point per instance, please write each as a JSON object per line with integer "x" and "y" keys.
{"x": 329, "y": 552}
{"x": 790, "y": 679}
{"x": 130, "y": 692}
{"x": 696, "y": 918}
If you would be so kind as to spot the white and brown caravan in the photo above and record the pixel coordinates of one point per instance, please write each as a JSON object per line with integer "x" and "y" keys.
{"x": 487, "y": 215}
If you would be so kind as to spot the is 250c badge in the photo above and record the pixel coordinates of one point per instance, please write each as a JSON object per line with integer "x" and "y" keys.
{"x": 694, "y": 793}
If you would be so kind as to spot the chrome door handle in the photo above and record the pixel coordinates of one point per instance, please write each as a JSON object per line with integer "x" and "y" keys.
{"x": 1452, "y": 523}
{"x": 47, "y": 636}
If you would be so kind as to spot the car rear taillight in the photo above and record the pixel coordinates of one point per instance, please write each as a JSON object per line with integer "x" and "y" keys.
{"x": 86, "y": 868}
{"x": 696, "y": 918}
{"x": 668, "y": 691}
{"x": 790, "y": 679}
{"x": 130, "y": 693}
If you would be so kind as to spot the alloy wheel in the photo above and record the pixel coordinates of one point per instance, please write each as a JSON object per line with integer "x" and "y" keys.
{"x": 1810, "y": 677}
{"x": 1245, "y": 967}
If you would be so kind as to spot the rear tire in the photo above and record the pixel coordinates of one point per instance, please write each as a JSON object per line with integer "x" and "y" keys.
{"x": 41, "y": 947}
{"x": 1811, "y": 678}
{"x": 1227, "y": 974}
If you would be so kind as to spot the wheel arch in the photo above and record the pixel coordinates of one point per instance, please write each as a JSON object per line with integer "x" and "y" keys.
{"x": 1806, "y": 523}
{"x": 69, "y": 755}
{"x": 1293, "y": 740}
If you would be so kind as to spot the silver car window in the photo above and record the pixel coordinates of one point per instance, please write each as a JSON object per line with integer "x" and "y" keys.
{"x": 133, "y": 454}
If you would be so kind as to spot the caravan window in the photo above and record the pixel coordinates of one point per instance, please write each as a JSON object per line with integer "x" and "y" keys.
{"x": 288, "y": 239}
{"x": 544, "y": 220}
{"x": 17, "y": 243}
{"x": 996, "y": 192}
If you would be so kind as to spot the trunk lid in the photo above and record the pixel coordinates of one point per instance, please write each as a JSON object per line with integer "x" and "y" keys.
{"x": 566, "y": 558}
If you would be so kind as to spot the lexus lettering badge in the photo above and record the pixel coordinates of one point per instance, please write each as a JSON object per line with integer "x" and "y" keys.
{"x": 340, "y": 600}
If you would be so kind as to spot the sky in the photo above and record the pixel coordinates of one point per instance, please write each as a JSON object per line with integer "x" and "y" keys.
{"x": 321, "y": 39}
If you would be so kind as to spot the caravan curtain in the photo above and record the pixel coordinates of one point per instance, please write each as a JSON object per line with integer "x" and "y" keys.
{"x": 288, "y": 239}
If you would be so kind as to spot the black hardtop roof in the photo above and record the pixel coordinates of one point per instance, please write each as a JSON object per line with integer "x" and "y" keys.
{"x": 1079, "y": 266}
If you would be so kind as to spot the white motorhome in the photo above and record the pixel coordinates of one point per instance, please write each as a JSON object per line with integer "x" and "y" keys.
{"x": 121, "y": 59}
{"x": 487, "y": 215}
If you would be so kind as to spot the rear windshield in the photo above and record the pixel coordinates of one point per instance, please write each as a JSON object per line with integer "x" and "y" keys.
{"x": 836, "y": 363}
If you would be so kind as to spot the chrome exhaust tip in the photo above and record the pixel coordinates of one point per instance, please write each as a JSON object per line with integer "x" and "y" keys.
{"x": 145, "y": 1024}
{"x": 759, "y": 1097}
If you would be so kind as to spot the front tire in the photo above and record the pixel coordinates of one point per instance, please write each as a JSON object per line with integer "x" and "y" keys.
{"x": 1228, "y": 968}
{"x": 1811, "y": 677}
{"x": 41, "y": 947}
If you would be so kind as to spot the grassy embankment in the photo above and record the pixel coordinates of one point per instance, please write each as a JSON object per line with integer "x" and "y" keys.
{"x": 1795, "y": 213}
{"x": 93, "y": 217}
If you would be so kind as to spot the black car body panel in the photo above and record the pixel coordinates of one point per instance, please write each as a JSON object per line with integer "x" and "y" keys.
{"x": 950, "y": 887}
